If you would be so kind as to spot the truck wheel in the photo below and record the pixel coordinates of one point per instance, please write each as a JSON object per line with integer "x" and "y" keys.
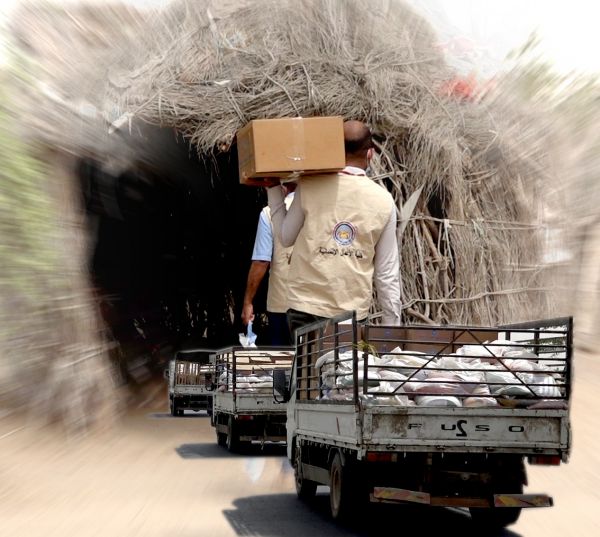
{"x": 305, "y": 489}
{"x": 498, "y": 517}
{"x": 221, "y": 437}
{"x": 494, "y": 517}
{"x": 173, "y": 408}
{"x": 233, "y": 440}
{"x": 341, "y": 494}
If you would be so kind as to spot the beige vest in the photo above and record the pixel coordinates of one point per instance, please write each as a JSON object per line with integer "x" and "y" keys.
{"x": 331, "y": 270}
{"x": 278, "y": 272}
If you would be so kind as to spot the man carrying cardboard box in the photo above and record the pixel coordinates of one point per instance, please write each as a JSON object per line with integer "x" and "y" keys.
{"x": 343, "y": 228}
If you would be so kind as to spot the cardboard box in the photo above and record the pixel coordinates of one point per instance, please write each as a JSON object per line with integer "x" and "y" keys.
{"x": 279, "y": 148}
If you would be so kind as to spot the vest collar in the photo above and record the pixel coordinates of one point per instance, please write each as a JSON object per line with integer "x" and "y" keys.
{"x": 353, "y": 170}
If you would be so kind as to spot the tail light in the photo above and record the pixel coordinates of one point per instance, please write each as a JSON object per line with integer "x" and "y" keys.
{"x": 548, "y": 460}
{"x": 381, "y": 456}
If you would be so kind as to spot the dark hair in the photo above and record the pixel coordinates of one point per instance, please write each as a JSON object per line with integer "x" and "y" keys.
{"x": 358, "y": 142}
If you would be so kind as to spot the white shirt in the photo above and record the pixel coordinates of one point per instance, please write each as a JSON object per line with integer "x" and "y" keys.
{"x": 263, "y": 242}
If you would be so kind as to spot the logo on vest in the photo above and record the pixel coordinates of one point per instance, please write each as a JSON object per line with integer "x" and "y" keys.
{"x": 344, "y": 233}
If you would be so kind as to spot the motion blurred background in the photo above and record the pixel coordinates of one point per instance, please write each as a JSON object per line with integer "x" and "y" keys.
{"x": 124, "y": 234}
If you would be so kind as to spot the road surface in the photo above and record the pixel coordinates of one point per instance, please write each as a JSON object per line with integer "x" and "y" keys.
{"x": 155, "y": 475}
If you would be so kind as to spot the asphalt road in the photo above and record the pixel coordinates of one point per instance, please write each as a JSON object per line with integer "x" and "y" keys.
{"x": 155, "y": 475}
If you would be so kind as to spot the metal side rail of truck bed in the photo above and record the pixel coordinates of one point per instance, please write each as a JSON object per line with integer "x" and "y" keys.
{"x": 438, "y": 415}
{"x": 244, "y": 407}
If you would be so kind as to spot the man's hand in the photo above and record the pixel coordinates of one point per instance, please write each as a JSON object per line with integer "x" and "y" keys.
{"x": 247, "y": 313}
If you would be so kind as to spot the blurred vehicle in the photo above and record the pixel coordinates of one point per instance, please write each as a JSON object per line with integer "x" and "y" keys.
{"x": 244, "y": 408}
{"x": 191, "y": 381}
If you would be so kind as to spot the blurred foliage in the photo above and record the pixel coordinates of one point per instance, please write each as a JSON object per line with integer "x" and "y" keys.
{"x": 51, "y": 353}
{"x": 27, "y": 219}
{"x": 29, "y": 267}
{"x": 573, "y": 96}
{"x": 570, "y": 102}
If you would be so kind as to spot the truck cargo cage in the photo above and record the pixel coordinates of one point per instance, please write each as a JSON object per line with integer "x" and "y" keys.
{"x": 245, "y": 408}
{"x": 193, "y": 373}
{"x": 191, "y": 376}
{"x": 249, "y": 370}
{"x": 525, "y": 365}
{"x": 334, "y": 339}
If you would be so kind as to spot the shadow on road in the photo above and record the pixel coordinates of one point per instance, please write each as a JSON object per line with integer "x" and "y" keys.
{"x": 283, "y": 515}
{"x": 206, "y": 451}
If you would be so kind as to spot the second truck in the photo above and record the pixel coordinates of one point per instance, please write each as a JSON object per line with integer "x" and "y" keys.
{"x": 244, "y": 408}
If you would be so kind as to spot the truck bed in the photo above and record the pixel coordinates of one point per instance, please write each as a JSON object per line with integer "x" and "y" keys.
{"x": 535, "y": 432}
{"x": 349, "y": 405}
{"x": 244, "y": 407}
{"x": 192, "y": 378}
{"x": 247, "y": 403}
{"x": 245, "y": 379}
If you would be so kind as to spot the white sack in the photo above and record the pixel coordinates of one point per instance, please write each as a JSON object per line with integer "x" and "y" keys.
{"x": 396, "y": 400}
{"x": 436, "y": 385}
{"x": 337, "y": 395}
{"x": 479, "y": 402}
{"x": 549, "y": 388}
{"x": 329, "y": 358}
{"x": 407, "y": 365}
{"x": 438, "y": 401}
{"x": 345, "y": 380}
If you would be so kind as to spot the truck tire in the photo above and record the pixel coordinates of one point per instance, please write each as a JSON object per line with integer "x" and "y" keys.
{"x": 342, "y": 496}
{"x": 221, "y": 437}
{"x": 174, "y": 409}
{"x": 233, "y": 440}
{"x": 494, "y": 517}
{"x": 497, "y": 517}
{"x": 305, "y": 489}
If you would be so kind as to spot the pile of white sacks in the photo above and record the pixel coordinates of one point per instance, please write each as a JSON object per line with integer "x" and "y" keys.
{"x": 474, "y": 376}
{"x": 246, "y": 382}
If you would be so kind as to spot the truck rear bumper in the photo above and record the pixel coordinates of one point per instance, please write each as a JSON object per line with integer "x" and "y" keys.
{"x": 193, "y": 403}
{"x": 395, "y": 495}
{"x": 261, "y": 438}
